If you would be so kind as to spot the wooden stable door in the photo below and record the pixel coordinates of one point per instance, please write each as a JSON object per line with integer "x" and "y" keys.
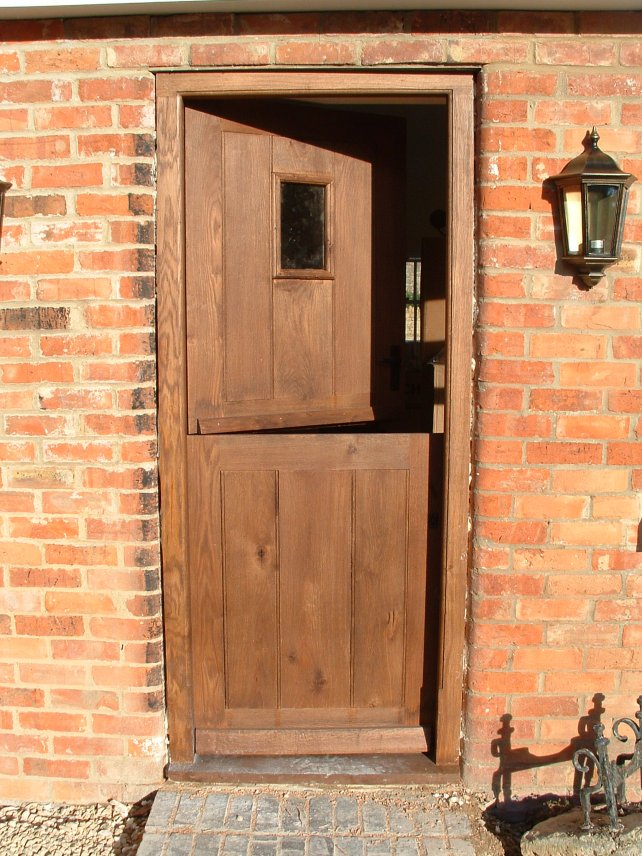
{"x": 306, "y": 499}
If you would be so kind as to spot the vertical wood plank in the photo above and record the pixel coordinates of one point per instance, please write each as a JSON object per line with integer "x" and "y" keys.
{"x": 203, "y": 262}
{"x": 352, "y": 230}
{"x": 206, "y": 579}
{"x": 303, "y": 353}
{"x": 416, "y": 575}
{"x": 315, "y": 536}
{"x": 251, "y": 569}
{"x": 458, "y": 422}
{"x": 172, "y": 411}
{"x": 247, "y": 250}
{"x": 381, "y": 507}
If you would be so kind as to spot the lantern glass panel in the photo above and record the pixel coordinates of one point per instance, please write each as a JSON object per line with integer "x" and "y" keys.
{"x": 573, "y": 217}
{"x": 601, "y": 213}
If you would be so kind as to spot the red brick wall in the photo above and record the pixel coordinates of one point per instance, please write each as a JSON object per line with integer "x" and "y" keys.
{"x": 556, "y": 600}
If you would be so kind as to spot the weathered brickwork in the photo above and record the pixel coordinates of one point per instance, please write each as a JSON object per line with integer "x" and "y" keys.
{"x": 556, "y": 599}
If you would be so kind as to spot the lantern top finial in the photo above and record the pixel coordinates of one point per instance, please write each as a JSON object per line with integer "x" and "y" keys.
{"x": 595, "y": 137}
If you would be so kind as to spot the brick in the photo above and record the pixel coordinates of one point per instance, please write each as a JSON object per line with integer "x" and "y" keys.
{"x": 504, "y": 110}
{"x": 539, "y": 507}
{"x": 42, "y": 767}
{"x": 125, "y": 676}
{"x": 504, "y": 584}
{"x": 77, "y": 397}
{"x": 152, "y": 55}
{"x": 563, "y": 453}
{"x": 547, "y": 659}
{"x": 36, "y": 148}
{"x": 116, "y": 89}
{"x": 553, "y": 609}
{"x": 52, "y": 673}
{"x": 38, "y": 262}
{"x": 602, "y": 374}
{"x": 125, "y": 628}
{"x": 516, "y": 371}
{"x": 541, "y": 706}
{"x": 88, "y": 452}
{"x": 70, "y": 554}
{"x": 576, "y": 346}
{"x": 498, "y": 452}
{"x": 500, "y": 398}
{"x": 560, "y": 400}
{"x": 624, "y": 453}
{"x": 319, "y": 53}
{"x": 572, "y": 113}
{"x": 498, "y": 635}
{"x": 129, "y": 726}
{"x": 33, "y": 625}
{"x": 52, "y": 528}
{"x": 573, "y": 53}
{"x": 601, "y": 317}
{"x": 83, "y": 649}
{"x": 503, "y": 682}
{"x": 37, "y": 425}
{"x": 21, "y": 697}
{"x": 584, "y": 584}
{"x": 62, "y": 59}
{"x": 229, "y": 53}
{"x": 72, "y": 175}
{"x": 496, "y": 226}
{"x": 14, "y": 119}
{"x": 590, "y": 533}
{"x": 391, "y": 50}
{"x": 52, "y": 721}
{"x": 91, "y": 746}
{"x": 550, "y": 559}
{"x": 17, "y": 553}
{"x": 593, "y": 427}
{"x": 80, "y": 603}
{"x": 510, "y": 197}
{"x": 514, "y": 479}
{"x": 493, "y": 505}
{"x": 31, "y": 91}
{"x": 73, "y": 288}
{"x": 59, "y": 118}
{"x": 610, "y": 480}
{"x": 513, "y": 425}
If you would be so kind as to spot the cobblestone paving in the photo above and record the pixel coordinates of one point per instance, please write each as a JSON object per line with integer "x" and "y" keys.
{"x": 228, "y": 823}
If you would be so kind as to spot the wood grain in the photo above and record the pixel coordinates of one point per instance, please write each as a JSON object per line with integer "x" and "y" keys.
{"x": 318, "y": 741}
{"x": 172, "y": 409}
{"x": 250, "y": 562}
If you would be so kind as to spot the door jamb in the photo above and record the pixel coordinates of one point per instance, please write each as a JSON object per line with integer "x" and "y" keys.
{"x": 172, "y": 89}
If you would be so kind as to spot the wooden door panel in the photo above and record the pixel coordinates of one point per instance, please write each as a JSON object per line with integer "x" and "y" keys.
{"x": 315, "y": 541}
{"x": 303, "y": 352}
{"x": 276, "y": 348}
{"x": 246, "y": 283}
{"x": 307, "y": 582}
{"x": 250, "y": 566}
{"x": 381, "y": 498}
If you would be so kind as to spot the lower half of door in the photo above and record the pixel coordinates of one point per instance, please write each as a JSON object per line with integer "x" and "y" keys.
{"x": 308, "y": 592}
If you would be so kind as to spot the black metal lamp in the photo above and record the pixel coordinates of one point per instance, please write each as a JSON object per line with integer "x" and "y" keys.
{"x": 592, "y": 192}
{"x": 4, "y": 186}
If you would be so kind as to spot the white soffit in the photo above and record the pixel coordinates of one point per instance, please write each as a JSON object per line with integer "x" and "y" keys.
{"x": 90, "y": 8}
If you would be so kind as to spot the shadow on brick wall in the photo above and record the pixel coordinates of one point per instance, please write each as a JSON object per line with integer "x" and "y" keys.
{"x": 517, "y": 759}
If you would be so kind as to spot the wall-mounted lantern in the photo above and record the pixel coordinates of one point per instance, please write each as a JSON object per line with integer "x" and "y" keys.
{"x": 4, "y": 186}
{"x": 592, "y": 192}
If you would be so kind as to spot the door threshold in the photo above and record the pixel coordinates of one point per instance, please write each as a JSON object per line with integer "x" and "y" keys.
{"x": 413, "y": 769}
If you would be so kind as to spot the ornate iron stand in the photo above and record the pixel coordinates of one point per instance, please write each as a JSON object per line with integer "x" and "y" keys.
{"x": 611, "y": 775}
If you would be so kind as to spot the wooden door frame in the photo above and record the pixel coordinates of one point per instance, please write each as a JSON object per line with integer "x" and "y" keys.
{"x": 172, "y": 90}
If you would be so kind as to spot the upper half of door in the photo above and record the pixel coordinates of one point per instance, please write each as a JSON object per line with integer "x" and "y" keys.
{"x": 294, "y": 265}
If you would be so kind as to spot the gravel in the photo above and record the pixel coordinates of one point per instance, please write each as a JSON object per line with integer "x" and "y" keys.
{"x": 50, "y": 829}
